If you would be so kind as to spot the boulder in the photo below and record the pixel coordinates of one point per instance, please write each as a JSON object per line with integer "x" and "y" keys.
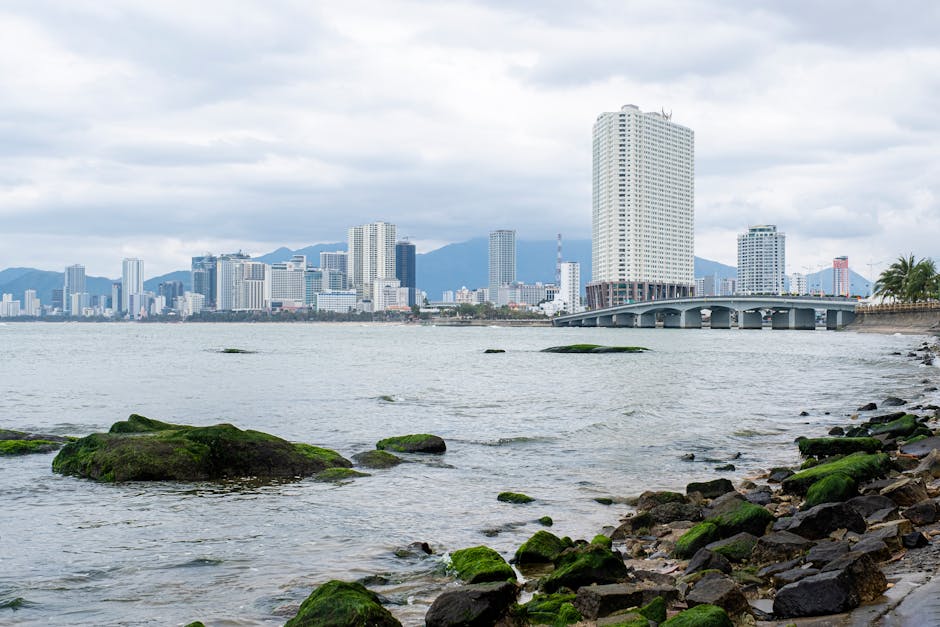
{"x": 792, "y": 575}
{"x": 479, "y": 604}
{"x": 891, "y": 533}
{"x": 923, "y": 513}
{"x": 706, "y": 559}
{"x": 818, "y": 522}
{"x": 866, "y": 578}
{"x": 342, "y": 603}
{"x": 594, "y": 348}
{"x": 831, "y": 489}
{"x": 868, "y": 407}
{"x": 514, "y": 497}
{"x": 903, "y": 426}
{"x": 603, "y": 600}
{"x": 929, "y": 466}
{"x": 542, "y": 548}
{"x": 921, "y": 448}
{"x": 827, "y": 447}
{"x": 338, "y": 475}
{"x": 868, "y": 505}
{"x": 859, "y": 466}
{"x": 649, "y": 499}
{"x": 883, "y": 515}
{"x": 672, "y": 512}
{"x": 626, "y": 618}
{"x": 905, "y": 491}
{"x": 737, "y": 548}
{"x": 550, "y": 609}
{"x": 825, "y": 593}
{"x": 21, "y": 443}
{"x": 184, "y": 453}
{"x": 779, "y": 546}
{"x": 874, "y": 548}
{"x": 723, "y": 504}
{"x": 582, "y": 566}
{"x": 761, "y": 495}
{"x": 481, "y": 564}
{"x": 914, "y": 540}
{"x": 376, "y": 459}
{"x": 778, "y": 474}
{"x": 775, "y": 568}
{"x": 710, "y": 489}
{"x": 893, "y": 401}
{"x": 700, "y": 616}
{"x": 696, "y": 538}
{"x": 720, "y": 591}
{"x": 747, "y": 517}
{"x": 886, "y": 418}
{"x": 415, "y": 443}
{"x": 826, "y": 551}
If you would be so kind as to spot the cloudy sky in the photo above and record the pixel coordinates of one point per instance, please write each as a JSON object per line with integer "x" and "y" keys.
{"x": 167, "y": 129}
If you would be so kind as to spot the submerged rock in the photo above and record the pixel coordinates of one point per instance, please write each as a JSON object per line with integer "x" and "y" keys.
{"x": 594, "y": 348}
{"x": 415, "y": 443}
{"x": 493, "y": 351}
{"x": 514, "y": 497}
{"x": 20, "y": 443}
{"x": 144, "y": 450}
{"x": 376, "y": 459}
{"x": 342, "y": 603}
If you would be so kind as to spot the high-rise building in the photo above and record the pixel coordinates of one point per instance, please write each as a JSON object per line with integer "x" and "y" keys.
{"x": 643, "y": 206}
{"x": 287, "y": 282}
{"x": 132, "y": 282}
{"x": 336, "y": 260}
{"x": 798, "y": 284}
{"x": 761, "y": 260}
{"x": 569, "y": 290}
{"x": 31, "y": 304}
{"x": 204, "y": 278}
{"x": 253, "y": 286}
{"x": 405, "y": 268}
{"x": 170, "y": 291}
{"x": 371, "y": 256}
{"x": 228, "y": 277}
{"x": 502, "y": 261}
{"x": 841, "y": 285}
{"x": 74, "y": 284}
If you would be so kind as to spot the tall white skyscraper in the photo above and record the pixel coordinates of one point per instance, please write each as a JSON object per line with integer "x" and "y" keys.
{"x": 228, "y": 277}
{"x": 336, "y": 260}
{"x": 762, "y": 256}
{"x": 643, "y": 210}
{"x": 502, "y": 261}
{"x": 569, "y": 292}
{"x": 74, "y": 284}
{"x": 371, "y": 256}
{"x": 798, "y": 284}
{"x": 132, "y": 282}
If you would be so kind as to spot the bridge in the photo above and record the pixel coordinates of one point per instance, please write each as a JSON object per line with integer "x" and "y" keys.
{"x": 786, "y": 312}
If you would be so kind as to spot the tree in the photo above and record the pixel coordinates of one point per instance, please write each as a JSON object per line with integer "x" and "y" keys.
{"x": 907, "y": 280}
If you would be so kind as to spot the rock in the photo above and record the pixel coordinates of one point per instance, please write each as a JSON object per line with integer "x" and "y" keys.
{"x": 338, "y": 475}
{"x": 893, "y": 401}
{"x": 415, "y": 443}
{"x": 725, "y": 468}
{"x": 905, "y": 492}
{"x": 671, "y": 512}
{"x": 696, "y": 538}
{"x": 604, "y": 500}
{"x": 866, "y": 579}
{"x": 626, "y": 618}
{"x": 21, "y": 443}
{"x": 827, "y": 447}
{"x": 184, "y": 453}
{"x": 793, "y": 575}
{"x": 772, "y": 569}
{"x": 804, "y": 413}
{"x": 688, "y": 457}
{"x": 541, "y": 548}
{"x": 415, "y": 549}
{"x": 737, "y": 548}
{"x": 868, "y": 407}
{"x": 747, "y": 517}
{"x": 820, "y": 521}
{"x": 584, "y": 565}
{"x": 603, "y": 600}
{"x": 649, "y": 499}
{"x": 929, "y": 467}
{"x": 710, "y": 489}
{"x": 859, "y": 466}
{"x": 720, "y": 591}
{"x": 923, "y": 513}
{"x": 546, "y": 521}
{"x": 779, "y": 546}
{"x": 921, "y": 448}
{"x": 779, "y": 474}
{"x": 762, "y": 495}
{"x": 890, "y": 533}
{"x": 886, "y": 418}
{"x": 551, "y": 609}
{"x": 883, "y": 515}
{"x": 868, "y": 505}
{"x": 594, "y": 348}
{"x": 825, "y": 593}
{"x": 481, "y": 564}
{"x": 493, "y": 351}
{"x": 342, "y": 603}
{"x": 706, "y": 559}
{"x": 655, "y": 610}
{"x": 914, "y": 540}
{"x": 700, "y": 616}
{"x": 837, "y": 431}
{"x": 874, "y": 548}
{"x": 514, "y": 497}
{"x": 468, "y": 606}
{"x": 827, "y": 551}
{"x": 376, "y": 459}
{"x": 724, "y": 504}
{"x": 830, "y": 489}
{"x": 903, "y": 426}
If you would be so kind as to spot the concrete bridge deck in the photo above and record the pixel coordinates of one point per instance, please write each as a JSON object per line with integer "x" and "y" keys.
{"x": 786, "y": 312}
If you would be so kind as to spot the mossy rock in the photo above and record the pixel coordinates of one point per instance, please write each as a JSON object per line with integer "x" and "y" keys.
{"x": 859, "y": 466}
{"x": 746, "y": 517}
{"x": 336, "y": 475}
{"x": 903, "y": 426}
{"x": 494, "y": 351}
{"x": 604, "y": 500}
{"x": 700, "y": 616}
{"x": 514, "y": 497}
{"x": 655, "y": 610}
{"x": 737, "y": 548}
{"x": 543, "y": 547}
{"x": 629, "y": 618}
{"x": 582, "y": 566}
{"x": 696, "y": 538}
{"x": 809, "y": 463}
{"x": 377, "y": 459}
{"x": 827, "y": 447}
{"x": 602, "y": 540}
{"x": 546, "y": 521}
{"x": 481, "y": 564}
{"x": 555, "y": 609}
{"x": 191, "y": 454}
{"x": 833, "y": 488}
{"x": 594, "y": 348}
{"x": 136, "y": 423}
{"x": 196, "y": 624}
{"x": 648, "y": 500}
{"x": 342, "y": 603}
{"x": 414, "y": 443}
{"x": 27, "y": 447}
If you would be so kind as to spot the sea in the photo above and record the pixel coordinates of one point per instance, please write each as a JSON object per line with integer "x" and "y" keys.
{"x": 565, "y": 429}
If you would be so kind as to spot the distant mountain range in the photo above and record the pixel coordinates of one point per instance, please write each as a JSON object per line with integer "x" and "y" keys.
{"x": 447, "y": 268}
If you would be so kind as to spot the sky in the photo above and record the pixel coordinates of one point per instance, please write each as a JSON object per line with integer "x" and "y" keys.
{"x": 168, "y": 129}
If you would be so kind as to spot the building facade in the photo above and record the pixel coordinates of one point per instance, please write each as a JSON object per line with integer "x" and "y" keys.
{"x": 132, "y": 281}
{"x": 761, "y": 260}
{"x": 228, "y": 279}
{"x": 643, "y": 199}
{"x": 502, "y": 262}
{"x": 204, "y": 278}
{"x": 288, "y": 284}
{"x": 405, "y": 269}
{"x": 841, "y": 282}
{"x": 798, "y": 284}
{"x": 336, "y": 260}
{"x": 371, "y": 255}
{"x": 74, "y": 284}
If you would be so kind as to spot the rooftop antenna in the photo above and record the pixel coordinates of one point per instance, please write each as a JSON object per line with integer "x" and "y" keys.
{"x": 558, "y": 263}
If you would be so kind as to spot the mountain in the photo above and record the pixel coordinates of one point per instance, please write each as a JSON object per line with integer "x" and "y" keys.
{"x": 312, "y": 252}
{"x": 184, "y": 276}
{"x": 706, "y": 267}
{"x": 44, "y": 281}
{"x": 858, "y": 285}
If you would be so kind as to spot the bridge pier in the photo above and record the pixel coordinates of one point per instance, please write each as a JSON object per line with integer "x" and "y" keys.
{"x": 625, "y": 320}
{"x": 750, "y": 319}
{"x": 646, "y": 321}
{"x": 589, "y": 322}
{"x": 721, "y": 318}
{"x": 836, "y": 319}
{"x": 688, "y": 319}
{"x": 605, "y": 321}
{"x": 794, "y": 319}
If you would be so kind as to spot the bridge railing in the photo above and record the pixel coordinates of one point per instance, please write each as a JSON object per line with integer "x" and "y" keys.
{"x": 931, "y": 305}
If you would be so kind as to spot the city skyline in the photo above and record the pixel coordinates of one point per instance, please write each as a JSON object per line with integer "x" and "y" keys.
{"x": 123, "y": 149}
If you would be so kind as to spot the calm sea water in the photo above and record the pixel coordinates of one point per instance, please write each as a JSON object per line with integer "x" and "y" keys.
{"x": 562, "y": 428}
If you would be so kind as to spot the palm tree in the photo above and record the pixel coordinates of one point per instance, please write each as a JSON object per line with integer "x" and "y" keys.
{"x": 908, "y": 280}
{"x": 923, "y": 281}
{"x": 893, "y": 281}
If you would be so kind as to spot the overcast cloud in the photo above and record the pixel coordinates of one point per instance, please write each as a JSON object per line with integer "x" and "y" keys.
{"x": 167, "y": 129}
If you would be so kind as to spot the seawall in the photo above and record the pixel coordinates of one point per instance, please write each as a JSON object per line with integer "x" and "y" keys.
{"x": 908, "y": 322}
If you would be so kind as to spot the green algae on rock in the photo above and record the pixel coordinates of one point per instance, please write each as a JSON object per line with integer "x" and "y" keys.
{"x": 594, "y": 348}
{"x": 746, "y": 517}
{"x": 859, "y": 466}
{"x": 700, "y": 616}
{"x": 184, "y": 453}
{"x": 832, "y": 488}
{"x": 414, "y": 443}
{"x": 376, "y": 459}
{"x": 342, "y": 603}
{"x": 514, "y": 497}
{"x": 481, "y": 564}
{"x": 26, "y": 447}
{"x": 543, "y": 547}
{"x": 236, "y": 351}
{"x": 546, "y": 521}
{"x": 696, "y": 538}
{"x": 582, "y": 566}
{"x": 339, "y": 474}
{"x": 827, "y": 447}
{"x": 655, "y": 610}
{"x": 549, "y": 609}
{"x": 903, "y": 426}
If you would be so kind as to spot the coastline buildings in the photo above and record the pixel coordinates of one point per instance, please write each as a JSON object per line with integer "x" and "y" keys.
{"x": 74, "y": 286}
{"x": 841, "y": 283}
{"x": 761, "y": 260}
{"x": 371, "y": 256}
{"x": 502, "y": 262}
{"x": 132, "y": 283}
{"x": 642, "y": 235}
{"x": 798, "y": 284}
{"x": 337, "y": 260}
{"x": 204, "y": 279}
{"x": 569, "y": 290}
{"x": 405, "y": 268}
